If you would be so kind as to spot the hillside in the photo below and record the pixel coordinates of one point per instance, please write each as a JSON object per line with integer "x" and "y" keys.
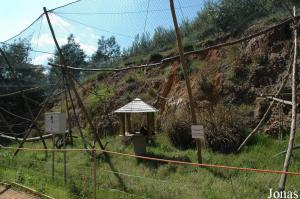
{"x": 230, "y": 86}
{"x": 231, "y": 77}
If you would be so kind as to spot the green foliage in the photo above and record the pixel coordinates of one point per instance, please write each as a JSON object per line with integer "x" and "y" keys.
{"x": 208, "y": 89}
{"x": 232, "y": 54}
{"x": 20, "y": 177}
{"x": 198, "y": 64}
{"x": 259, "y": 59}
{"x": 102, "y": 93}
{"x": 224, "y": 128}
{"x": 132, "y": 77}
{"x": 152, "y": 93}
{"x": 178, "y": 129}
{"x": 155, "y": 57}
{"x": 107, "y": 50}
{"x": 73, "y": 56}
{"x": 27, "y": 76}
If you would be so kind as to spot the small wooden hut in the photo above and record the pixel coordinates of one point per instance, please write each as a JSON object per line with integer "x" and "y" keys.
{"x": 136, "y": 106}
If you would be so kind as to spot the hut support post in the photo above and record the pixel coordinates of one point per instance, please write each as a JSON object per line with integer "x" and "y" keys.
{"x": 128, "y": 122}
{"x": 122, "y": 119}
{"x": 151, "y": 123}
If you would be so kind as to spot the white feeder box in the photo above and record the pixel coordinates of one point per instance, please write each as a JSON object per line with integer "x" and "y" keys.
{"x": 55, "y": 122}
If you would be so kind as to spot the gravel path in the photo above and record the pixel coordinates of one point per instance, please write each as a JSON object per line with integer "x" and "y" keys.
{"x": 8, "y": 193}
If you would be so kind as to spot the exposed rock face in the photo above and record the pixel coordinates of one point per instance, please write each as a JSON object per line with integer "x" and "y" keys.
{"x": 233, "y": 76}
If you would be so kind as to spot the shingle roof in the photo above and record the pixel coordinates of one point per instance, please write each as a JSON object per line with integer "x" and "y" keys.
{"x": 136, "y": 106}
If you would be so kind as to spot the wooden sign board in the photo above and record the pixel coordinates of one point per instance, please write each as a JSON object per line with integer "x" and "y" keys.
{"x": 55, "y": 122}
{"x": 197, "y": 132}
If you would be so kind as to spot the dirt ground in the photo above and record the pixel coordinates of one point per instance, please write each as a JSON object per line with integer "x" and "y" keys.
{"x": 8, "y": 193}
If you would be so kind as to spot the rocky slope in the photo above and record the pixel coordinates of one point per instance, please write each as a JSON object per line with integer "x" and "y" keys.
{"x": 233, "y": 76}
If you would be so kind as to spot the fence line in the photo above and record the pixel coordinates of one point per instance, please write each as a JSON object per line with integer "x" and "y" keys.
{"x": 225, "y": 167}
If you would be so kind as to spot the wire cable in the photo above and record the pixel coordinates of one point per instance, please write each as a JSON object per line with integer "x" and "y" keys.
{"x": 126, "y": 12}
{"x": 68, "y": 4}
{"x": 96, "y": 28}
{"x": 24, "y": 28}
{"x": 18, "y": 116}
{"x": 29, "y": 49}
{"x": 38, "y": 37}
{"x": 145, "y": 24}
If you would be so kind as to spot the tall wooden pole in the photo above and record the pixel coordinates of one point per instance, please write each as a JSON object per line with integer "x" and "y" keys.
{"x": 288, "y": 156}
{"x": 72, "y": 85}
{"x": 53, "y": 155}
{"x": 186, "y": 76}
{"x": 67, "y": 109}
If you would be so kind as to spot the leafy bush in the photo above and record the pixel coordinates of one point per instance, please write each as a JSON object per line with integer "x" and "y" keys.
{"x": 178, "y": 129}
{"x": 208, "y": 89}
{"x": 224, "y": 128}
{"x": 155, "y": 57}
{"x": 188, "y": 48}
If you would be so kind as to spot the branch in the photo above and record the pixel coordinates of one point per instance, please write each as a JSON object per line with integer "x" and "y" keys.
{"x": 33, "y": 139}
{"x": 283, "y": 152}
{"x": 276, "y": 99}
{"x": 263, "y": 119}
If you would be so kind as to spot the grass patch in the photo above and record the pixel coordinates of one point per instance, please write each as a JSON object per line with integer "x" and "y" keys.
{"x": 148, "y": 179}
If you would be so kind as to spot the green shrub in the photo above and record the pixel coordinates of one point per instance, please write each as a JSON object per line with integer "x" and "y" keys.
{"x": 155, "y": 57}
{"x": 224, "y": 128}
{"x": 152, "y": 93}
{"x": 178, "y": 129}
{"x": 101, "y": 93}
{"x": 188, "y": 48}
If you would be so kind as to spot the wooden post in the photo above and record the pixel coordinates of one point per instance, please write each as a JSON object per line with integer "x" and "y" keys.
{"x": 68, "y": 112}
{"x": 94, "y": 174}
{"x": 53, "y": 35}
{"x": 53, "y": 155}
{"x": 122, "y": 126}
{"x": 186, "y": 76}
{"x": 72, "y": 85}
{"x": 65, "y": 159}
{"x": 151, "y": 123}
{"x": 85, "y": 143}
{"x": 288, "y": 156}
{"x": 128, "y": 122}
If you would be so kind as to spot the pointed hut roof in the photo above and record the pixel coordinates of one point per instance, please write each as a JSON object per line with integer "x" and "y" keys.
{"x": 136, "y": 106}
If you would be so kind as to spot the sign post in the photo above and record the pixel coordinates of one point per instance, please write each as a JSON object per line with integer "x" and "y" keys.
{"x": 55, "y": 123}
{"x": 198, "y": 134}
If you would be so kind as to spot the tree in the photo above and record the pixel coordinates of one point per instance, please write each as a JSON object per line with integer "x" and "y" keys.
{"x": 73, "y": 56}
{"x": 108, "y": 49}
{"x": 28, "y": 76}
{"x": 163, "y": 38}
{"x": 19, "y": 57}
